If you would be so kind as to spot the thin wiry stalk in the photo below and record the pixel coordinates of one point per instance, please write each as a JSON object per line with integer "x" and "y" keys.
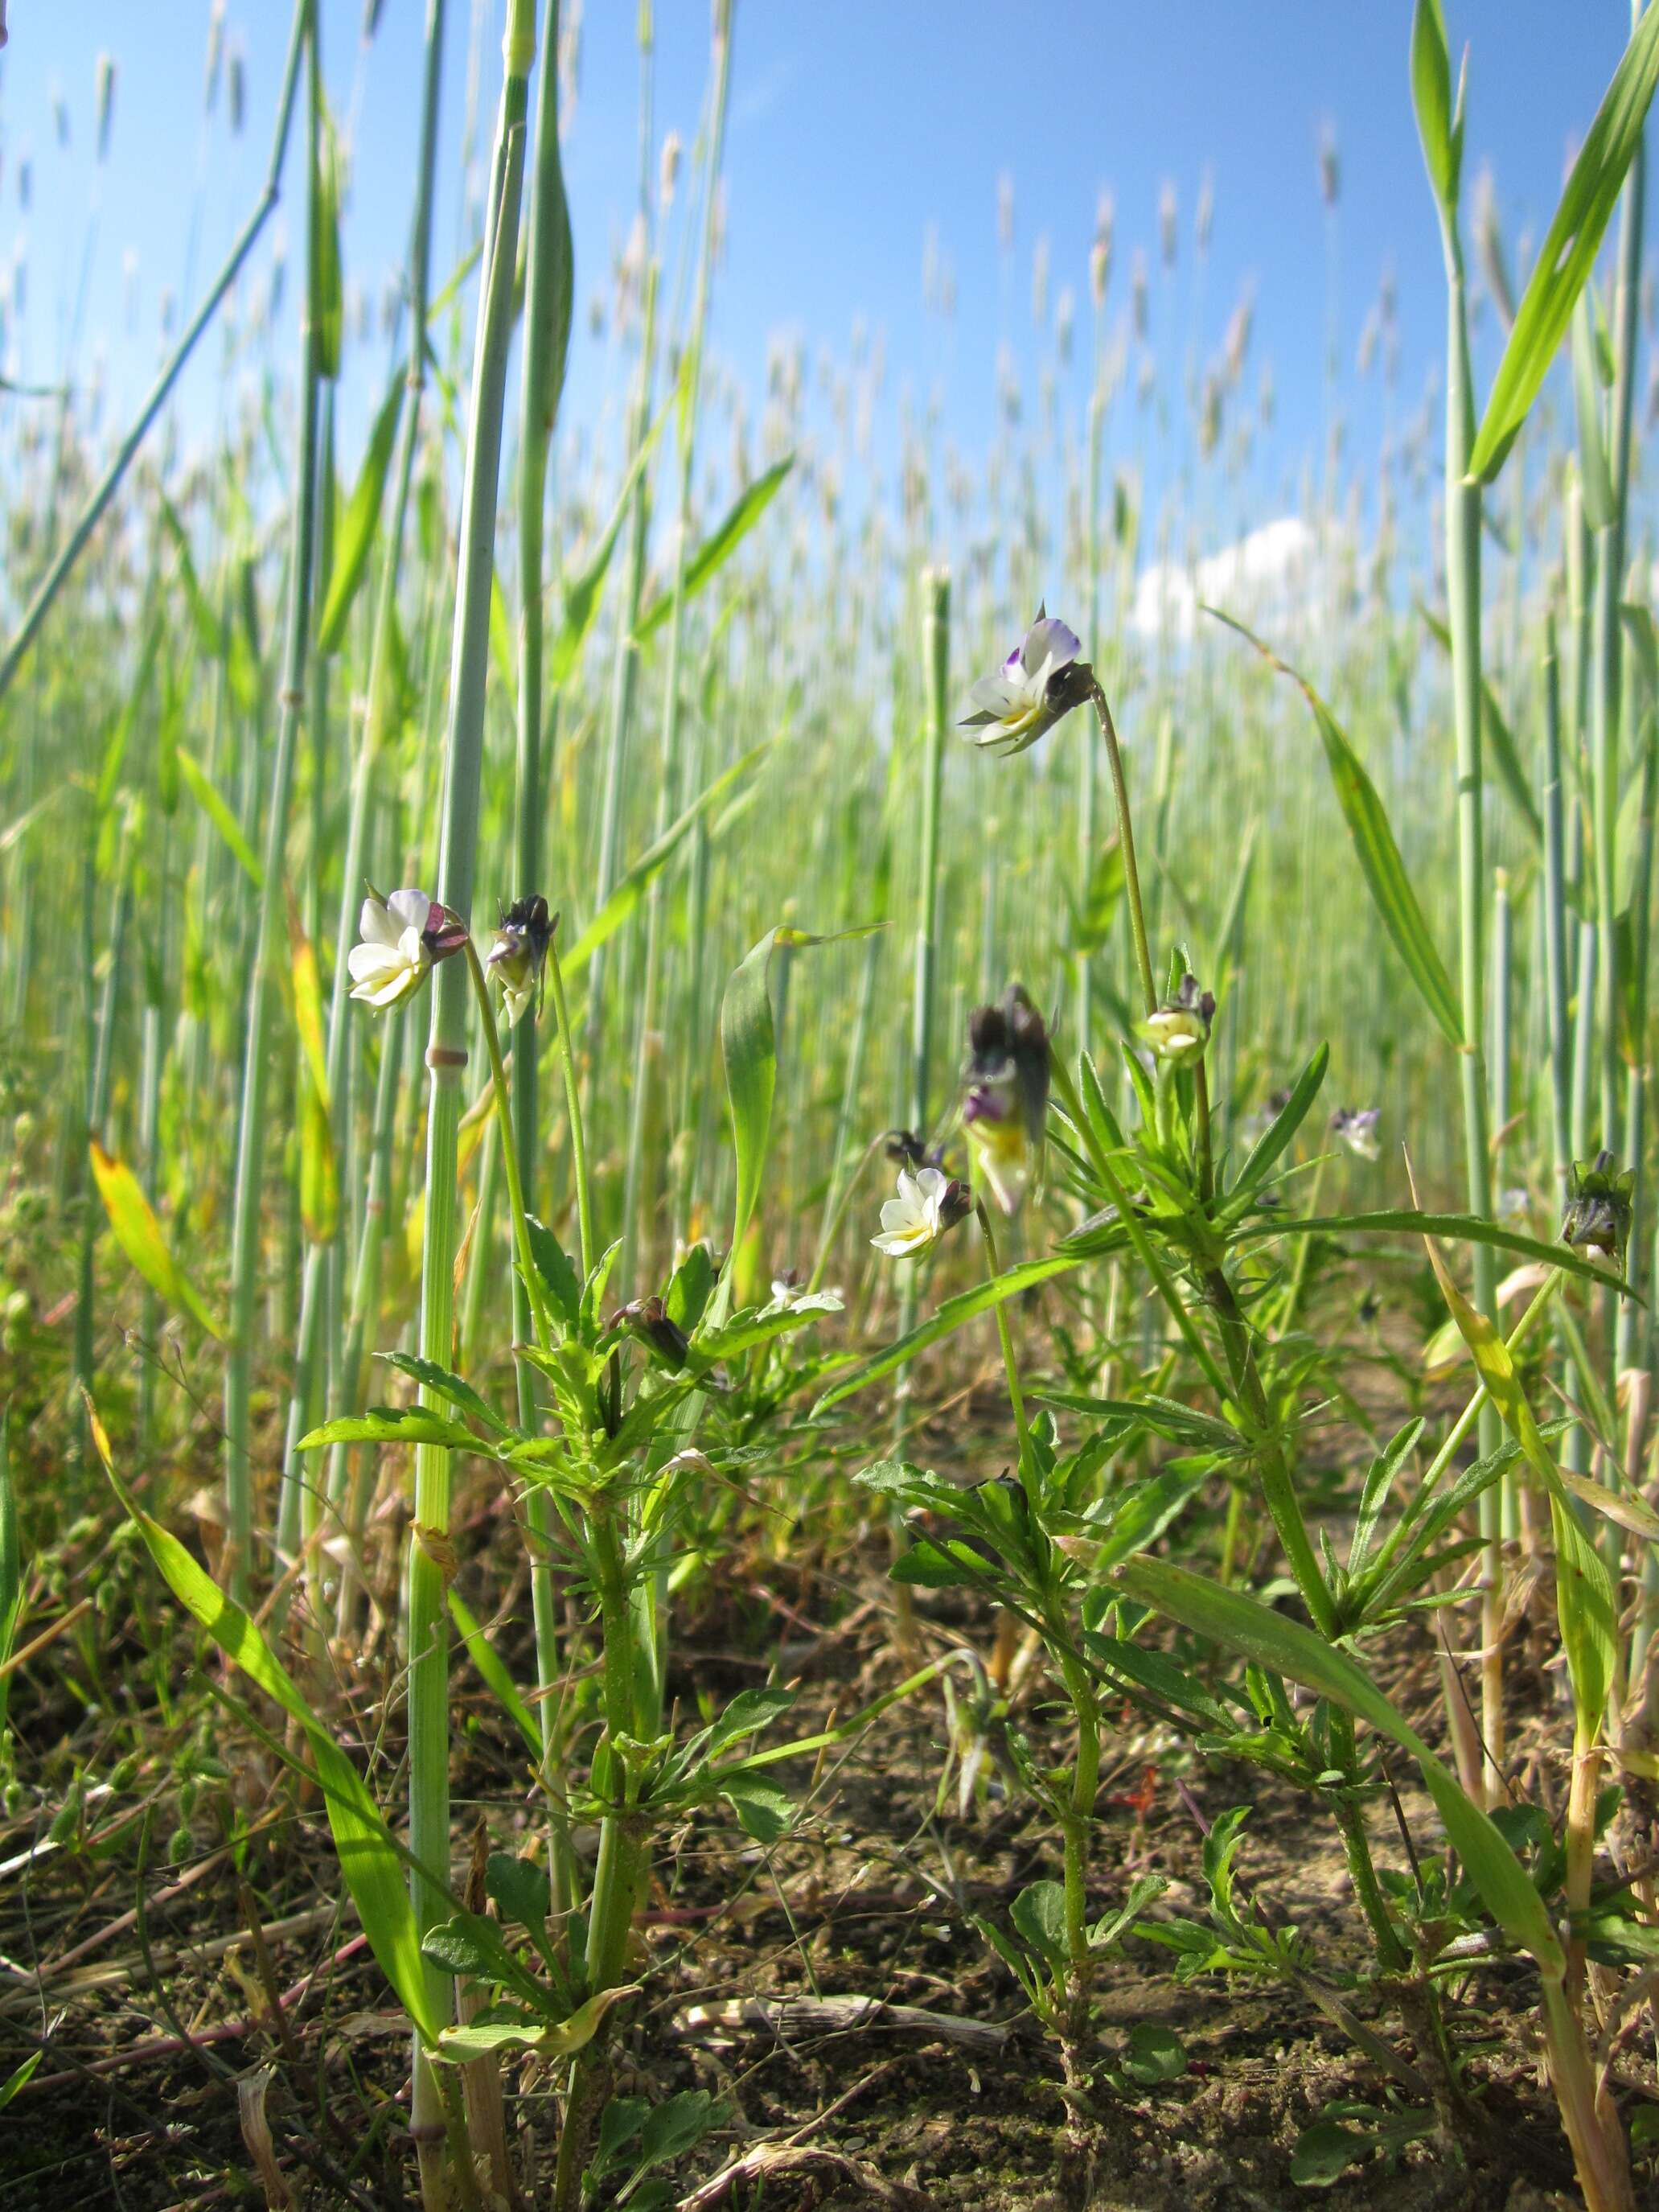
{"x": 548, "y": 294}
{"x": 446, "y": 1055}
{"x": 90, "y": 516}
{"x": 669, "y": 793}
{"x": 313, "y": 1302}
{"x": 625, "y": 670}
{"x": 1463, "y": 505}
{"x": 269, "y": 945}
{"x": 936, "y": 645}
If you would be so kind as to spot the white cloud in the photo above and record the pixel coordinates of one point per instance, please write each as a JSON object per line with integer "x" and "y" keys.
{"x": 1276, "y": 570}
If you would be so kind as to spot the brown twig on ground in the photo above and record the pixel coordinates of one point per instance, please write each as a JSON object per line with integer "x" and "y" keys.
{"x": 784, "y": 2017}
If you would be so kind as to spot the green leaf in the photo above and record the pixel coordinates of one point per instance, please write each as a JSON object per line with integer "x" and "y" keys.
{"x": 747, "y": 1329}
{"x": 492, "y": 1670}
{"x": 764, "y": 1810}
{"x": 371, "y": 1863}
{"x": 750, "y": 1710}
{"x": 1287, "y": 1647}
{"x": 1091, "y": 924}
{"x": 20, "y": 2079}
{"x": 1142, "y": 1516}
{"x": 1586, "y": 1605}
{"x": 967, "y": 1306}
{"x": 319, "y": 1174}
{"x": 622, "y": 2120}
{"x": 1439, "y": 125}
{"x": 395, "y": 1424}
{"x": 1039, "y": 1917}
{"x": 673, "y": 2127}
{"x": 1498, "y": 738}
{"x": 691, "y": 1287}
{"x": 1379, "y": 1481}
{"x": 1376, "y": 850}
{"x": 1326, "y": 2151}
{"x": 1568, "y": 253}
{"x": 1467, "y": 1228}
{"x": 1280, "y": 1130}
{"x": 519, "y": 1889}
{"x": 1155, "y": 2055}
{"x": 553, "y": 2039}
{"x": 582, "y": 591}
{"x": 452, "y": 1387}
{"x": 632, "y": 886}
{"x": 327, "y": 281}
{"x": 1595, "y": 482}
{"x": 209, "y": 637}
{"x": 208, "y": 799}
{"x": 480, "y": 2037}
{"x": 1166, "y": 1416}
{"x": 948, "y": 1563}
{"x": 717, "y": 549}
{"x": 356, "y": 535}
{"x": 467, "y": 1947}
{"x": 556, "y": 1269}
{"x": 749, "y": 1048}
{"x": 138, "y": 1233}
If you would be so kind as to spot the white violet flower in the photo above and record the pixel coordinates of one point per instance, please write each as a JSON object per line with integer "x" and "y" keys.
{"x": 1039, "y": 681}
{"x": 928, "y": 1203}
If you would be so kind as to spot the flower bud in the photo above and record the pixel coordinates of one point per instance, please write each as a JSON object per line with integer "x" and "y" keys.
{"x": 1179, "y": 1029}
{"x": 1599, "y": 1206}
{"x": 649, "y": 1320}
{"x": 518, "y": 954}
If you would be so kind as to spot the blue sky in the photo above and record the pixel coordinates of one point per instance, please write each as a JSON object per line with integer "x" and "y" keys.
{"x": 854, "y": 128}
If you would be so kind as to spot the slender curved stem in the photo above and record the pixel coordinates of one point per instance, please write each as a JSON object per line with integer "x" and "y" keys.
{"x": 1126, "y": 832}
{"x": 1004, "y": 1335}
{"x": 573, "y": 1100}
{"x": 527, "y": 1267}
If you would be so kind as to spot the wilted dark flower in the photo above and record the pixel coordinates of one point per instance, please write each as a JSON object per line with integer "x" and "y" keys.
{"x": 402, "y": 937}
{"x": 1355, "y": 1127}
{"x": 519, "y": 952}
{"x": 1005, "y": 1105}
{"x": 1041, "y": 681}
{"x": 907, "y": 1150}
{"x": 1179, "y": 1029}
{"x": 1599, "y": 1205}
{"x": 650, "y": 1321}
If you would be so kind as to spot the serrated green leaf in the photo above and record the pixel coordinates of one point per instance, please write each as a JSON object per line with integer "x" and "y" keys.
{"x": 395, "y": 1424}
{"x": 459, "y": 1391}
